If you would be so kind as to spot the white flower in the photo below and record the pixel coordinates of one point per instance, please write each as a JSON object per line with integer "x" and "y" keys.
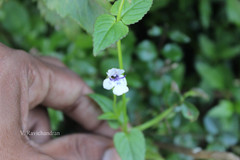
{"x": 116, "y": 81}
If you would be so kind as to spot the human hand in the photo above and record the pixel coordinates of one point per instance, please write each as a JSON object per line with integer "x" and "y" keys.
{"x": 26, "y": 82}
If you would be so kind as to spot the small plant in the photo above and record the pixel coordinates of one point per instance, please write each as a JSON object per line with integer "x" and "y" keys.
{"x": 157, "y": 73}
{"x": 110, "y": 29}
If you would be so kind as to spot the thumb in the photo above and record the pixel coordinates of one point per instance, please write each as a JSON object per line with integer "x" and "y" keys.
{"x": 79, "y": 147}
{"x": 111, "y": 154}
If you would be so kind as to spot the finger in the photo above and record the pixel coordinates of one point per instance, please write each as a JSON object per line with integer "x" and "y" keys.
{"x": 38, "y": 123}
{"x": 13, "y": 103}
{"x": 77, "y": 147}
{"x": 52, "y": 60}
{"x": 105, "y": 130}
{"x": 111, "y": 154}
{"x": 62, "y": 89}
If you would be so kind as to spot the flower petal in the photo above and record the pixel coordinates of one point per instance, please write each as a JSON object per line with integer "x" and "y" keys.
{"x": 115, "y": 71}
{"x": 120, "y": 89}
{"x": 123, "y": 81}
{"x": 120, "y": 71}
{"x": 108, "y": 84}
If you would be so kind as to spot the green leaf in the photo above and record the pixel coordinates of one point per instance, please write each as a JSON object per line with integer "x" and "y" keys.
{"x": 104, "y": 102}
{"x": 205, "y": 12}
{"x": 68, "y": 25}
{"x": 152, "y": 152}
{"x": 106, "y": 105}
{"x": 84, "y": 12}
{"x": 189, "y": 111}
{"x": 196, "y": 92}
{"x": 233, "y": 11}
{"x": 213, "y": 75}
{"x": 180, "y": 37}
{"x": 130, "y": 146}
{"x": 106, "y": 32}
{"x": 211, "y": 125}
{"x": 229, "y": 139}
{"x": 224, "y": 109}
{"x": 146, "y": 51}
{"x": 172, "y": 52}
{"x": 132, "y": 11}
{"x": 229, "y": 52}
{"x": 155, "y": 31}
{"x": 119, "y": 111}
{"x": 222, "y": 119}
{"x": 207, "y": 46}
{"x": 107, "y": 116}
{"x": 11, "y": 20}
{"x": 155, "y": 85}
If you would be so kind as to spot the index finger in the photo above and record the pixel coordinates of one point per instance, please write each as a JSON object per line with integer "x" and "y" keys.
{"x": 58, "y": 87}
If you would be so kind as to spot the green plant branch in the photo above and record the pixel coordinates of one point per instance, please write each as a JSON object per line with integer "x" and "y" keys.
{"x": 120, "y": 11}
{"x": 114, "y": 103}
{"x": 120, "y": 61}
{"x": 119, "y": 48}
{"x": 125, "y": 127}
{"x": 155, "y": 120}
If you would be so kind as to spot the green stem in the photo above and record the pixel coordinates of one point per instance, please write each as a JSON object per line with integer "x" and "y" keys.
{"x": 125, "y": 123}
{"x": 120, "y": 11}
{"x": 125, "y": 127}
{"x": 155, "y": 120}
{"x": 119, "y": 49}
{"x": 114, "y": 103}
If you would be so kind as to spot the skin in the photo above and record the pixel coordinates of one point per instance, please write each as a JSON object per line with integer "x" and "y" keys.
{"x": 26, "y": 83}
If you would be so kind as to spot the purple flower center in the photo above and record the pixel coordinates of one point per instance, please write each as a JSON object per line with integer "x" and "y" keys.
{"x": 116, "y": 77}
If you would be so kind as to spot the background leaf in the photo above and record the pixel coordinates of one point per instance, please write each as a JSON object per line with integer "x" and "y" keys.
{"x": 205, "y": 12}
{"x": 213, "y": 75}
{"x": 133, "y": 10}
{"x": 104, "y": 102}
{"x": 172, "y": 52}
{"x": 180, "y": 37}
{"x": 84, "y": 12}
{"x": 146, "y": 51}
{"x": 106, "y": 32}
{"x": 207, "y": 47}
{"x": 155, "y": 31}
{"x": 130, "y": 146}
{"x": 10, "y": 20}
{"x": 189, "y": 111}
{"x": 233, "y": 11}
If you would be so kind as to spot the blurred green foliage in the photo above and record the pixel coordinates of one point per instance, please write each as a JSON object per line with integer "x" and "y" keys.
{"x": 181, "y": 46}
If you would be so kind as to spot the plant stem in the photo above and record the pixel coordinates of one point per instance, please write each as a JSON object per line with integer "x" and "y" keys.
{"x": 114, "y": 103}
{"x": 119, "y": 48}
{"x": 125, "y": 123}
{"x": 125, "y": 127}
{"x": 120, "y": 61}
{"x": 120, "y": 11}
{"x": 155, "y": 120}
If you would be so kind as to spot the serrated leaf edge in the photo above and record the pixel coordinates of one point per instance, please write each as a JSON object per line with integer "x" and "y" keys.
{"x": 139, "y": 19}
{"x": 95, "y": 53}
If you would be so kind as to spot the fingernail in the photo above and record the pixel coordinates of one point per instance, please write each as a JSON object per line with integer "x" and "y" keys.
{"x": 111, "y": 154}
